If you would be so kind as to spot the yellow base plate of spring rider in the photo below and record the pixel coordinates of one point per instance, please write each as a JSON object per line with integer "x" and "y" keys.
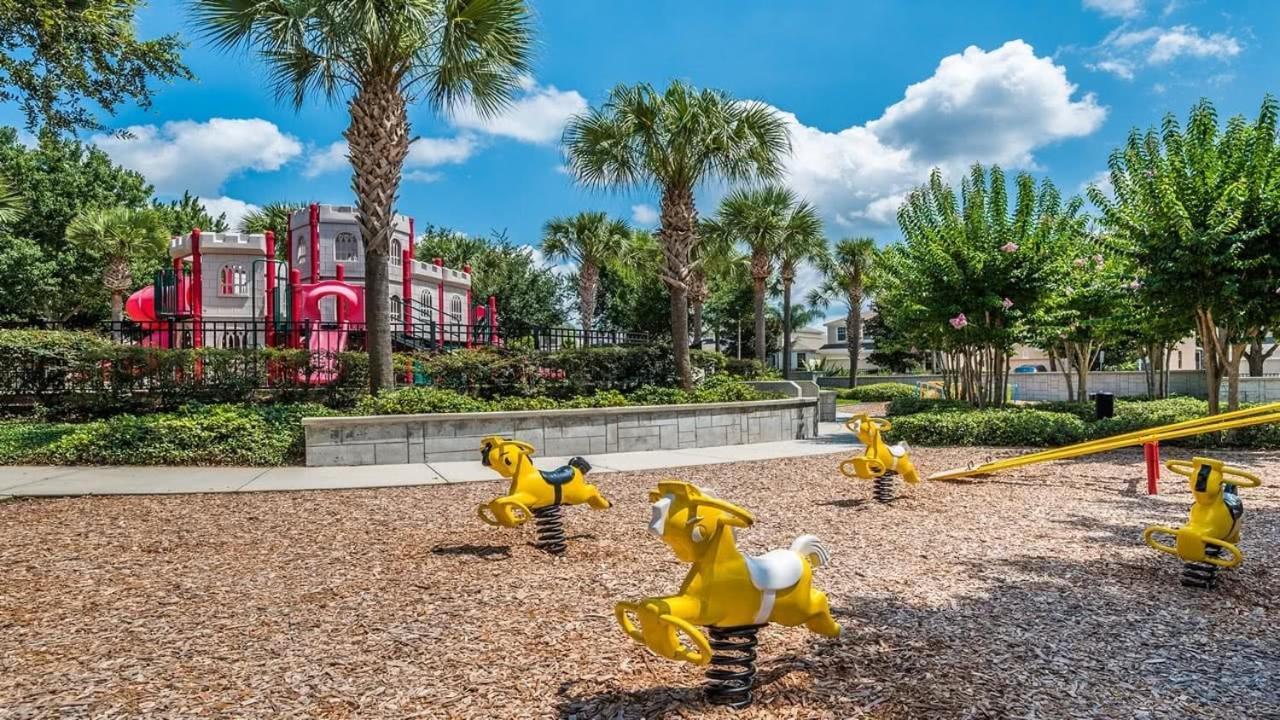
{"x": 732, "y": 594}
{"x": 880, "y": 461}
{"x": 536, "y": 493}
{"x": 1208, "y": 541}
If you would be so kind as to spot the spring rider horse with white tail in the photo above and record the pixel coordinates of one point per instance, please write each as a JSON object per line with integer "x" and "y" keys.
{"x": 880, "y": 461}
{"x": 1208, "y": 541}
{"x": 536, "y": 493}
{"x": 732, "y": 594}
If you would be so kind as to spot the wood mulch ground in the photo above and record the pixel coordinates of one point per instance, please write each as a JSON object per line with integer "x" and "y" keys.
{"x": 1028, "y": 595}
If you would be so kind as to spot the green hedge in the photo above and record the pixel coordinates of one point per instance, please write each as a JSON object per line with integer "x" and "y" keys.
{"x": 192, "y": 435}
{"x": 948, "y": 423}
{"x": 879, "y": 392}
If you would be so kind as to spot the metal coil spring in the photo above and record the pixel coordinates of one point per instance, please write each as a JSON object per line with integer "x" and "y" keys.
{"x": 1201, "y": 575}
{"x": 884, "y": 488}
{"x": 549, "y": 522}
{"x": 733, "y": 665}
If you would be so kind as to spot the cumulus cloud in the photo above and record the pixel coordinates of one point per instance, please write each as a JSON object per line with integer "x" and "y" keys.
{"x": 234, "y": 209}
{"x": 423, "y": 153}
{"x": 1116, "y": 8}
{"x": 1125, "y": 48}
{"x": 537, "y": 115}
{"x": 994, "y": 106}
{"x": 644, "y": 215}
{"x": 200, "y": 156}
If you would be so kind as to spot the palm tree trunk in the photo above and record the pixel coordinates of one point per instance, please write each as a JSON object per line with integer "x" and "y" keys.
{"x": 696, "y": 331}
{"x": 676, "y": 233}
{"x": 117, "y": 308}
{"x": 757, "y": 306}
{"x": 378, "y": 142}
{"x": 853, "y": 336}
{"x": 786, "y": 328}
{"x": 588, "y": 280}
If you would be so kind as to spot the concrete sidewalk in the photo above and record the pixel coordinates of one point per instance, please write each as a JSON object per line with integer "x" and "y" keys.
{"x": 38, "y": 481}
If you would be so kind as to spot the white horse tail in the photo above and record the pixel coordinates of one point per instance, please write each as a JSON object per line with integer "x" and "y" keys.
{"x": 811, "y": 548}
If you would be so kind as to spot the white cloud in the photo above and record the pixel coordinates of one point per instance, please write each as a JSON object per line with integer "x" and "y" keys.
{"x": 200, "y": 156}
{"x": 1125, "y": 49}
{"x": 644, "y": 215}
{"x": 422, "y": 176}
{"x": 235, "y": 209}
{"x": 978, "y": 106}
{"x": 1116, "y": 8}
{"x": 1102, "y": 179}
{"x": 537, "y": 116}
{"x": 423, "y": 153}
{"x": 541, "y": 261}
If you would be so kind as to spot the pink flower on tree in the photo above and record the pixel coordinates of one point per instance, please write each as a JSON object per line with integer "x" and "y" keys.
{"x": 1006, "y": 303}
{"x": 1009, "y": 247}
{"x": 1078, "y": 262}
{"x": 1136, "y": 284}
{"x": 1098, "y": 259}
{"x": 959, "y": 321}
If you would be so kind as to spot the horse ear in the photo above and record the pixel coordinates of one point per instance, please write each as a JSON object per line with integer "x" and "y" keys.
{"x": 524, "y": 447}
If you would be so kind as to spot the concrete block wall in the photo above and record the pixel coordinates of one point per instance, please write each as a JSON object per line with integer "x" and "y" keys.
{"x": 398, "y": 439}
{"x": 1053, "y": 386}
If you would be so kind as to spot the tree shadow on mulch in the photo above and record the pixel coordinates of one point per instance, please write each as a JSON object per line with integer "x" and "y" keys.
{"x": 849, "y": 503}
{"x": 484, "y": 552}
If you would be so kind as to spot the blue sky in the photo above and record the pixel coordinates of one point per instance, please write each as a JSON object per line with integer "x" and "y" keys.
{"x": 877, "y": 93}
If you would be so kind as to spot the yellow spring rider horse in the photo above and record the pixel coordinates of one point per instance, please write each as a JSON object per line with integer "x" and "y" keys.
{"x": 880, "y": 461}
{"x": 732, "y": 594}
{"x": 535, "y": 493}
{"x": 1213, "y": 529}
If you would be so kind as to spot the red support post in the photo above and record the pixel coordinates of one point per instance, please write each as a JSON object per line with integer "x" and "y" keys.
{"x": 341, "y": 271}
{"x": 313, "y": 255}
{"x": 295, "y": 308}
{"x": 470, "y": 318}
{"x": 1151, "y": 452}
{"x": 269, "y": 331}
{"x": 197, "y": 291}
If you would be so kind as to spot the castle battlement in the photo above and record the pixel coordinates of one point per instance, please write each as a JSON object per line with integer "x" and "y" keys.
{"x": 220, "y": 243}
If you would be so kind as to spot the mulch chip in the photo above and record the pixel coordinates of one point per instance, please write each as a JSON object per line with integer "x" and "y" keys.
{"x": 1028, "y": 595}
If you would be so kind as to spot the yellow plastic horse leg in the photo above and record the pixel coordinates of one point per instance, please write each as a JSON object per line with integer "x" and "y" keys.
{"x": 821, "y": 621}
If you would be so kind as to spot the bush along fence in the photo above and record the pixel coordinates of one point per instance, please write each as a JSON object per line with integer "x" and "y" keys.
{"x": 87, "y": 374}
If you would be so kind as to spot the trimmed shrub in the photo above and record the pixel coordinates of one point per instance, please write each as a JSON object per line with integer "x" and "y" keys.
{"x": 750, "y": 369}
{"x": 879, "y": 392}
{"x": 999, "y": 427}
{"x": 913, "y": 405}
{"x": 416, "y": 400}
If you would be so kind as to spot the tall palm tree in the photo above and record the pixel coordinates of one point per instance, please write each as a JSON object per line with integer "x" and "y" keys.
{"x": 800, "y": 241}
{"x": 715, "y": 256}
{"x": 379, "y": 56}
{"x": 12, "y": 203}
{"x": 673, "y": 141}
{"x": 845, "y": 274}
{"x": 593, "y": 241}
{"x": 119, "y": 235}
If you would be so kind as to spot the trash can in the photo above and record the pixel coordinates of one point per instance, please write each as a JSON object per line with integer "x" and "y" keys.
{"x": 1104, "y": 405}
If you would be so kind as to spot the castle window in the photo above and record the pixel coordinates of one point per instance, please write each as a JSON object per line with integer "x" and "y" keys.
{"x": 397, "y": 253}
{"x": 397, "y": 309}
{"x": 427, "y": 303}
{"x": 455, "y": 307}
{"x": 346, "y": 248}
{"x": 233, "y": 281}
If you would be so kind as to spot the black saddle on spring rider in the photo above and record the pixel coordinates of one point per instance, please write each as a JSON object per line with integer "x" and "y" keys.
{"x": 564, "y": 473}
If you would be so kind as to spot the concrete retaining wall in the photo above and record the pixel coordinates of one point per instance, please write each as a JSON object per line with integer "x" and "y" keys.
{"x": 396, "y": 439}
{"x": 1052, "y": 385}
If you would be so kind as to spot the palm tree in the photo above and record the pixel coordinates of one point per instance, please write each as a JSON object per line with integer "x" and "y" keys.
{"x": 12, "y": 204}
{"x": 716, "y": 256}
{"x": 379, "y": 57}
{"x": 591, "y": 240}
{"x": 673, "y": 141}
{"x": 844, "y": 275}
{"x": 273, "y": 216}
{"x": 119, "y": 235}
{"x": 799, "y": 241}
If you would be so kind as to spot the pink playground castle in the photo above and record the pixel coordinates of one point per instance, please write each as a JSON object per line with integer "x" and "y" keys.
{"x": 229, "y": 290}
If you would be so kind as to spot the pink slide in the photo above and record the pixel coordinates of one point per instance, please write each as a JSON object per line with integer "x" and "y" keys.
{"x": 325, "y": 346}
{"x": 141, "y": 308}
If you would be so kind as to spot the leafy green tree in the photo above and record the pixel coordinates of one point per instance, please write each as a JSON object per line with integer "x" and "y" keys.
{"x": 632, "y": 295}
{"x": 12, "y": 204}
{"x": 845, "y": 275}
{"x": 893, "y": 349}
{"x": 674, "y": 141}
{"x": 59, "y": 55}
{"x": 970, "y": 270}
{"x": 273, "y": 216}
{"x": 1088, "y": 287}
{"x": 592, "y": 241}
{"x": 528, "y": 294}
{"x": 1196, "y": 210}
{"x": 31, "y": 282}
{"x": 801, "y": 241}
{"x": 120, "y": 236}
{"x": 181, "y": 216}
{"x": 60, "y": 179}
{"x": 380, "y": 57}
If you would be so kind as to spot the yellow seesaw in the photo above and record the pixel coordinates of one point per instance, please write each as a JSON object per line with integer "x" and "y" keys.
{"x": 1214, "y": 423}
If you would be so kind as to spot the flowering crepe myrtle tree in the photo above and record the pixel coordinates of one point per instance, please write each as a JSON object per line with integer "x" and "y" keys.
{"x": 1197, "y": 209}
{"x": 971, "y": 270}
